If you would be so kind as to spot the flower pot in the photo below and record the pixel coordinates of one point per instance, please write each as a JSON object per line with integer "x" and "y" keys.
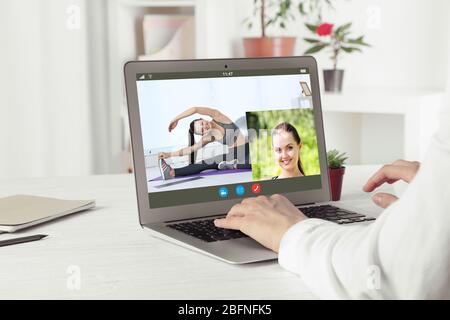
{"x": 333, "y": 80}
{"x": 269, "y": 46}
{"x": 336, "y": 177}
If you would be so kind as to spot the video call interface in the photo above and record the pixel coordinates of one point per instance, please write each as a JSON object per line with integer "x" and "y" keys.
{"x": 214, "y": 136}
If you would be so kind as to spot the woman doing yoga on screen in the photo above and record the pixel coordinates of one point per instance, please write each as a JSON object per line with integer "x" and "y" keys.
{"x": 220, "y": 129}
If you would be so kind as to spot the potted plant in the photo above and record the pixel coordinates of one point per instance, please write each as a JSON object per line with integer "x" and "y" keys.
{"x": 338, "y": 41}
{"x": 278, "y": 13}
{"x": 336, "y": 172}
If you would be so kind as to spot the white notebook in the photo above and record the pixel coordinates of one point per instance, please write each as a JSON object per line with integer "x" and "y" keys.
{"x": 23, "y": 211}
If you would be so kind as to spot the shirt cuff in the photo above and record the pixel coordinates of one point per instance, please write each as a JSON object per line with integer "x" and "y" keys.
{"x": 288, "y": 253}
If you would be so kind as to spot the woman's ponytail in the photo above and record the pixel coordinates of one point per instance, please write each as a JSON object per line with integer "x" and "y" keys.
{"x": 191, "y": 139}
{"x": 300, "y": 167}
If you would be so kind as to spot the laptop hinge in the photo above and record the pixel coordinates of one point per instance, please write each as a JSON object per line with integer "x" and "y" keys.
{"x": 194, "y": 218}
{"x": 304, "y": 204}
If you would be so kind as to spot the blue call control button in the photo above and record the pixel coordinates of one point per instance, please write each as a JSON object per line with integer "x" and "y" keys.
{"x": 240, "y": 190}
{"x": 223, "y": 192}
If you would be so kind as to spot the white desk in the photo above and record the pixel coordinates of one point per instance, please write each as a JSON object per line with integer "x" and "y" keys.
{"x": 118, "y": 260}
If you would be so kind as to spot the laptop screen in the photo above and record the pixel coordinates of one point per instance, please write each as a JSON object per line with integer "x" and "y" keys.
{"x": 215, "y": 135}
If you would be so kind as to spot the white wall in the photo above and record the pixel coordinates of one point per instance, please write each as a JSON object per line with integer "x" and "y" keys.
{"x": 408, "y": 37}
{"x": 408, "y": 43}
{"x": 54, "y": 111}
{"x": 410, "y": 52}
{"x": 54, "y": 108}
{"x": 448, "y": 61}
{"x": 44, "y": 115}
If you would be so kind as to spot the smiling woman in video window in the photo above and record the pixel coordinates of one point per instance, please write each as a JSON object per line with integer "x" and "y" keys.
{"x": 286, "y": 144}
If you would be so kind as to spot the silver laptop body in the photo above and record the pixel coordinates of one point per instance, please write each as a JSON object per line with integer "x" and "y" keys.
{"x": 156, "y": 218}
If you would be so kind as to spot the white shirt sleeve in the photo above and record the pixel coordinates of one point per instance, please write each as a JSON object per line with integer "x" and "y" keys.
{"x": 404, "y": 254}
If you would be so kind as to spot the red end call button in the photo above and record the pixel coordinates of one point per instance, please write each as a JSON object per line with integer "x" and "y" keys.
{"x": 256, "y": 188}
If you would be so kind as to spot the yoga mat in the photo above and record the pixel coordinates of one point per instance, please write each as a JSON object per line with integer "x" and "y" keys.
{"x": 176, "y": 182}
{"x": 208, "y": 173}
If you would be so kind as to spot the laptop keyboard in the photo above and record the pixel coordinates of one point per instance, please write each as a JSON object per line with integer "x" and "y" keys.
{"x": 334, "y": 214}
{"x": 206, "y": 230}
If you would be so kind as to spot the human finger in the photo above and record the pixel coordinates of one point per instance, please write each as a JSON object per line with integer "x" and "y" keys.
{"x": 384, "y": 200}
{"x": 389, "y": 173}
{"x": 232, "y": 222}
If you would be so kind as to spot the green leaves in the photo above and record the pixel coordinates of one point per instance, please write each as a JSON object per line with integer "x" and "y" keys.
{"x": 311, "y": 27}
{"x": 301, "y": 8}
{"x": 284, "y": 7}
{"x": 318, "y": 44}
{"x": 310, "y": 40}
{"x": 282, "y": 15}
{"x": 279, "y": 13}
{"x": 316, "y": 48}
{"x": 339, "y": 41}
{"x": 339, "y": 31}
{"x": 350, "y": 49}
{"x": 312, "y": 9}
{"x": 336, "y": 159}
{"x": 358, "y": 41}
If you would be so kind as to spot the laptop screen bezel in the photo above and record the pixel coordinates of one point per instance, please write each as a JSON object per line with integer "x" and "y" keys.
{"x": 149, "y": 215}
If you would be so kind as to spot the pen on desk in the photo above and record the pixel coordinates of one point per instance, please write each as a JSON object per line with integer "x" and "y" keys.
{"x": 9, "y": 242}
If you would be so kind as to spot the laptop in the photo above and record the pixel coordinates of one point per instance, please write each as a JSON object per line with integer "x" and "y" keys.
{"x": 207, "y": 134}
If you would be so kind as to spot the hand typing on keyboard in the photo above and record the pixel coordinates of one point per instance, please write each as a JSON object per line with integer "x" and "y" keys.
{"x": 265, "y": 219}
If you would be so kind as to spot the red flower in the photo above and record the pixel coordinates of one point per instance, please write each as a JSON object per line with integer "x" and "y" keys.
{"x": 324, "y": 29}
